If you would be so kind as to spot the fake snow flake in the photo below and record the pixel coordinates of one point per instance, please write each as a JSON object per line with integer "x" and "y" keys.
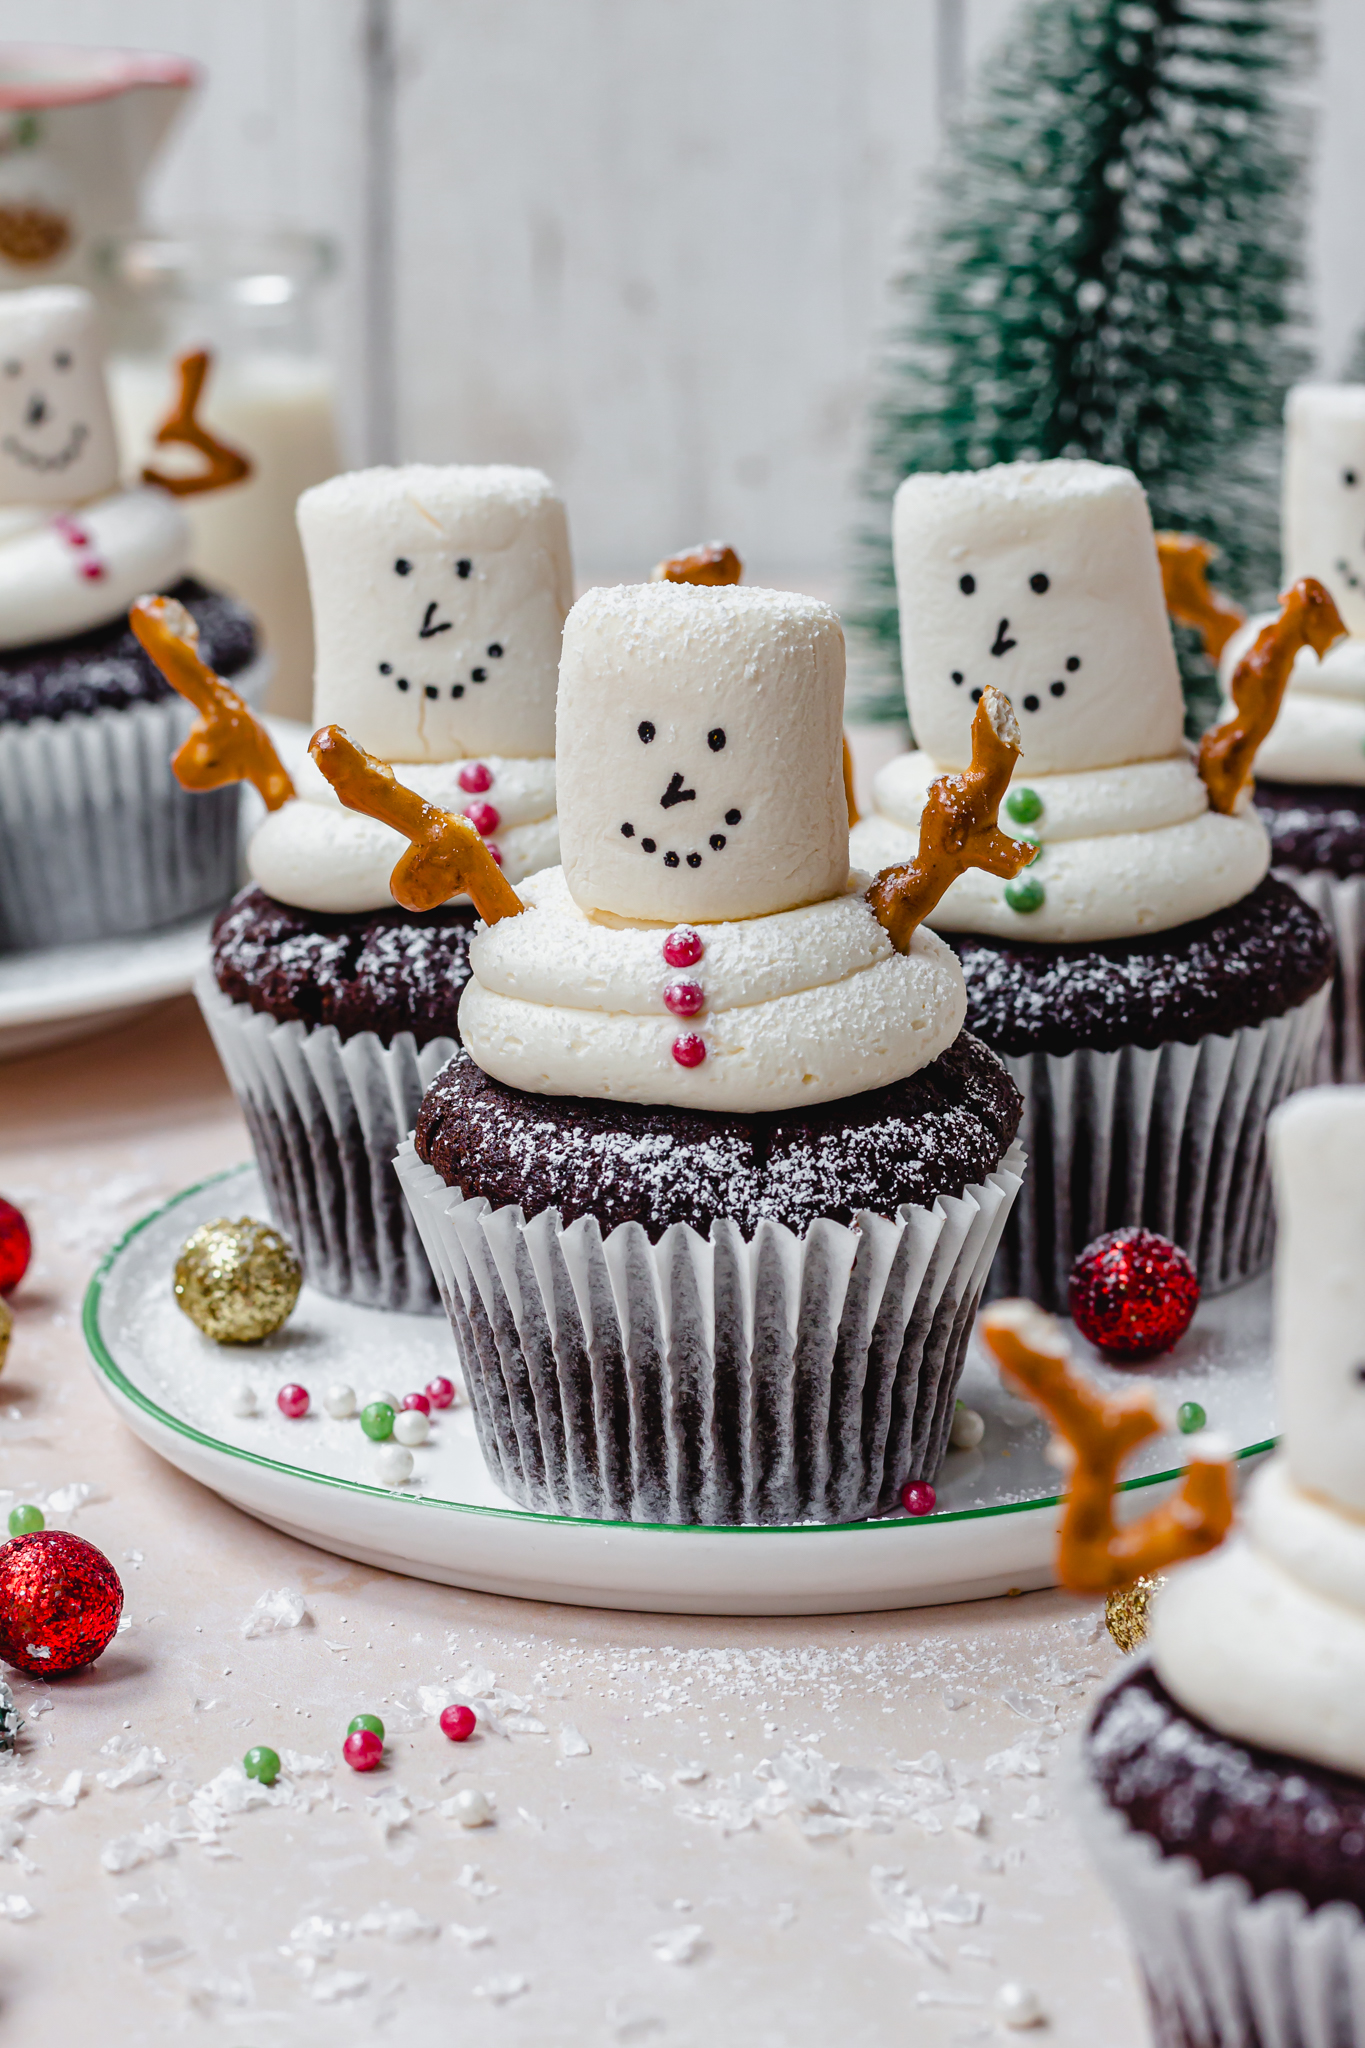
{"x": 158, "y": 1953}
{"x": 1029, "y": 1706}
{"x": 394, "y": 1810}
{"x": 472, "y": 1880}
{"x": 969, "y": 1818}
{"x": 1032, "y": 1809}
{"x": 500, "y": 1990}
{"x": 397, "y": 1923}
{"x": 14, "y": 1906}
{"x": 1021, "y": 1760}
{"x": 275, "y": 1611}
{"x": 572, "y": 1743}
{"x": 471, "y": 1937}
{"x": 330, "y": 1986}
{"x": 682, "y": 1945}
{"x": 317, "y": 1937}
{"x": 10, "y": 1722}
{"x": 126, "y": 1852}
{"x": 142, "y": 1769}
{"x": 298, "y": 1766}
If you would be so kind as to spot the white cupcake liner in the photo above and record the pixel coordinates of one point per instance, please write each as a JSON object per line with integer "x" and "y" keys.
{"x": 97, "y": 838}
{"x": 1221, "y": 1968}
{"x": 787, "y": 1379}
{"x": 1173, "y": 1139}
{"x": 1340, "y": 903}
{"x": 326, "y": 1114}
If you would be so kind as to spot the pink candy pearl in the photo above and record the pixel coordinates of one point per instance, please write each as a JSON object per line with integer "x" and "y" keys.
{"x": 440, "y": 1392}
{"x": 485, "y": 818}
{"x": 496, "y": 851}
{"x": 475, "y": 777}
{"x": 292, "y": 1401}
{"x": 683, "y": 947}
{"x": 421, "y": 1401}
{"x": 918, "y": 1498}
{"x": 93, "y": 572}
{"x": 684, "y": 998}
{"x": 689, "y": 1050}
{"x": 458, "y": 1723}
{"x": 362, "y": 1750}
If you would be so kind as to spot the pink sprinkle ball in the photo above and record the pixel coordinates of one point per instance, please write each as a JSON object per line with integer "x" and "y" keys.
{"x": 918, "y": 1498}
{"x": 440, "y": 1392}
{"x": 420, "y": 1401}
{"x": 362, "y": 1750}
{"x": 458, "y": 1723}
{"x": 684, "y": 998}
{"x": 689, "y": 1050}
{"x": 683, "y": 947}
{"x": 495, "y": 851}
{"x": 475, "y": 777}
{"x": 292, "y": 1400}
{"x": 485, "y": 818}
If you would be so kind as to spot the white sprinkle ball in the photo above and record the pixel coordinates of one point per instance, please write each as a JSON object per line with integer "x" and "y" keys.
{"x": 394, "y": 1464}
{"x": 968, "y": 1428}
{"x": 340, "y": 1402}
{"x": 410, "y": 1427}
{"x": 471, "y": 1808}
{"x": 243, "y": 1399}
{"x": 1018, "y": 2005}
{"x": 390, "y": 1400}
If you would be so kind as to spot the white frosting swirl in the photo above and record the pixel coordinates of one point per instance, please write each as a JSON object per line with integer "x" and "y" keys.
{"x": 316, "y": 855}
{"x": 1125, "y": 851}
{"x": 61, "y": 573}
{"x": 799, "y": 1007}
{"x": 1319, "y": 735}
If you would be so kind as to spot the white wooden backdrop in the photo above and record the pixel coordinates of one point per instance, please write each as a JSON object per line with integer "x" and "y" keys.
{"x": 642, "y": 243}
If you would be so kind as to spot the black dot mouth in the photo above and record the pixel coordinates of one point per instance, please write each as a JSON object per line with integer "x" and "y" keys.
{"x": 976, "y": 696}
{"x": 733, "y": 817}
{"x": 627, "y": 831}
{"x": 403, "y": 683}
{"x": 717, "y": 842}
{"x": 648, "y": 845}
{"x": 457, "y": 689}
{"x": 1073, "y": 662}
{"x": 430, "y": 690}
{"x": 1030, "y": 702}
{"x": 694, "y": 860}
{"x": 1057, "y": 689}
{"x": 670, "y": 859}
{"x": 478, "y": 675}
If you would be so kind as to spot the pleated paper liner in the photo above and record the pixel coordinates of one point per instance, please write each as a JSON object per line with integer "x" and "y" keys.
{"x": 786, "y": 1379}
{"x": 1340, "y": 903}
{"x": 326, "y": 1115}
{"x": 1172, "y": 1138}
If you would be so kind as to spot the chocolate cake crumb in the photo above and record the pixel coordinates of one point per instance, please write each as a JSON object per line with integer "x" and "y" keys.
{"x": 1280, "y": 1823}
{"x": 944, "y": 1128}
{"x": 106, "y": 670}
{"x": 1314, "y": 825}
{"x": 384, "y": 971}
{"x": 1217, "y": 975}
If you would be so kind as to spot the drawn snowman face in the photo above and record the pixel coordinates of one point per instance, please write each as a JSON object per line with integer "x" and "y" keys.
{"x": 1042, "y": 579}
{"x": 1317, "y": 1144}
{"x": 57, "y": 442}
{"x": 699, "y": 772}
{"x": 439, "y": 597}
{"x": 1324, "y": 493}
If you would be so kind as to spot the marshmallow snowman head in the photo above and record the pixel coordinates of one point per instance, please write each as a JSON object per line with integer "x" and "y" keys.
{"x": 1317, "y": 1150}
{"x": 1042, "y": 578}
{"x": 57, "y": 443}
{"x": 1324, "y": 493}
{"x": 439, "y": 597}
{"x": 699, "y": 774}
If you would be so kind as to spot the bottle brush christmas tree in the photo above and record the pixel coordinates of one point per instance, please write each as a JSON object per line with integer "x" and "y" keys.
{"x": 1111, "y": 269}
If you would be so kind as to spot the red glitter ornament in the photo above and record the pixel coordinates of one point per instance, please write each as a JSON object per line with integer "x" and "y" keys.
{"x": 440, "y": 1391}
{"x": 292, "y": 1400}
{"x": 422, "y": 1402}
{"x": 689, "y": 1050}
{"x": 16, "y": 1246}
{"x": 683, "y": 947}
{"x": 476, "y": 777}
{"x": 918, "y": 1497}
{"x": 1133, "y": 1293}
{"x": 362, "y": 1749}
{"x": 684, "y": 998}
{"x": 458, "y": 1723}
{"x": 60, "y": 1601}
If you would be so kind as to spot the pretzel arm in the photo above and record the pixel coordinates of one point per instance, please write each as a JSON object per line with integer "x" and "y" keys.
{"x": 446, "y": 858}
{"x": 228, "y": 744}
{"x": 1308, "y": 618}
{"x": 1000, "y": 855}
{"x": 1190, "y": 597}
{"x": 225, "y": 465}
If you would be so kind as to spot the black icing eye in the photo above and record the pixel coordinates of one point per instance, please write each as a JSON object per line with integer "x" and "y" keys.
{"x": 670, "y": 860}
{"x": 62, "y": 359}
{"x": 495, "y": 649}
{"x": 386, "y": 668}
{"x": 1039, "y": 583}
{"x": 463, "y": 567}
{"x": 627, "y": 831}
{"x": 717, "y": 842}
{"x": 1073, "y": 662}
{"x": 645, "y": 730}
{"x": 648, "y": 845}
{"x": 457, "y": 689}
{"x": 402, "y": 567}
{"x": 966, "y": 584}
{"x": 958, "y": 676}
{"x": 1350, "y": 476}
{"x": 431, "y": 691}
{"x": 976, "y": 696}
{"x": 402, "y": 682}
{"x": 733, "y": 817}
{"x": 715, "y": 739}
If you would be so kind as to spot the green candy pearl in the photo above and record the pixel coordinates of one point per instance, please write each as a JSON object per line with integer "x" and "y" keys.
{"x": 26, "y": 1520}
{"x": 1190, "y": 1417}
{"x": 370, "y": 1721}
{"x": 1024, "y": 805}
{"x": 1026, "y": 894}
{"x": 377, "y": 1421}
{"x": 262, "y": 1764}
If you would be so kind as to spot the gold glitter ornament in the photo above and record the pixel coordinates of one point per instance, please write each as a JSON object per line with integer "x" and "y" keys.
{"x": 6, "y": 1327}
{"x": 1125, "y": 1613}
{"x": 237, "y": 1281}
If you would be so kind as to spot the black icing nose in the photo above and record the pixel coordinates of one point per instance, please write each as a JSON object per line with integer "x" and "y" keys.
{"x": 1003, "y": 643}
{"x": 676, "y": 794}
{"x": 36, "y": 411}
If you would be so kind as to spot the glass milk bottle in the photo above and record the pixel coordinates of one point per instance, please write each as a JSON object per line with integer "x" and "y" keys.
{"x": 250, "y": 299}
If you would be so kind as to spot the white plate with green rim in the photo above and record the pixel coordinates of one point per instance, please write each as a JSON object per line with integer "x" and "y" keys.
{"x": 994, "y": 1530}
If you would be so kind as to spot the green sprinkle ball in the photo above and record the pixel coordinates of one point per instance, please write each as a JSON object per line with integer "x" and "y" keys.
{"x": 1026, "y": 894}
{"x": 1190, "y": 1417}
{"x": 377, "y": 1421}
{"x": 26, "y": 1520}
{"x": 370, "y": 1721}
{"x": 262, "y": 1764}
{"x": 1024, "y": 805}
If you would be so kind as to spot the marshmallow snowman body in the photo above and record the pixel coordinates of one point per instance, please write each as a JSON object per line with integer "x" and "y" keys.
{"x": 75, "y": 550}
{"x": 1266, "y": 1638}
{"x": 439, "y": 596}
{"x": 1042, "y": 578}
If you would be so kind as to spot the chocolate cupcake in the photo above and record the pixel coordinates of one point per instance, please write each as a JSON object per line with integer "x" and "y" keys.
{"x": 1151, "y": 993}
{"x": 1310, "y": 772}
{"x": 96, "y": 837}
{"x": 714, "y": 1186}
{"x": 438, "y": 601}
{"x": 1223, "y": 1780}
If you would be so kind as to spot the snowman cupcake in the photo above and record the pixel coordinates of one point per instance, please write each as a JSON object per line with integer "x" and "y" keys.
{"x": 1310, "y": 772}
{"x": 1152, "y": 991}
{"x": 96, "y": 838}
{"x": 439, "y": 597}
{"x": 713, "y": 1186}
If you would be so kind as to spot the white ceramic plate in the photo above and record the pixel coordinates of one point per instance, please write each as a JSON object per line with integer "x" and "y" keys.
{"x": 994, "y": 1529}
